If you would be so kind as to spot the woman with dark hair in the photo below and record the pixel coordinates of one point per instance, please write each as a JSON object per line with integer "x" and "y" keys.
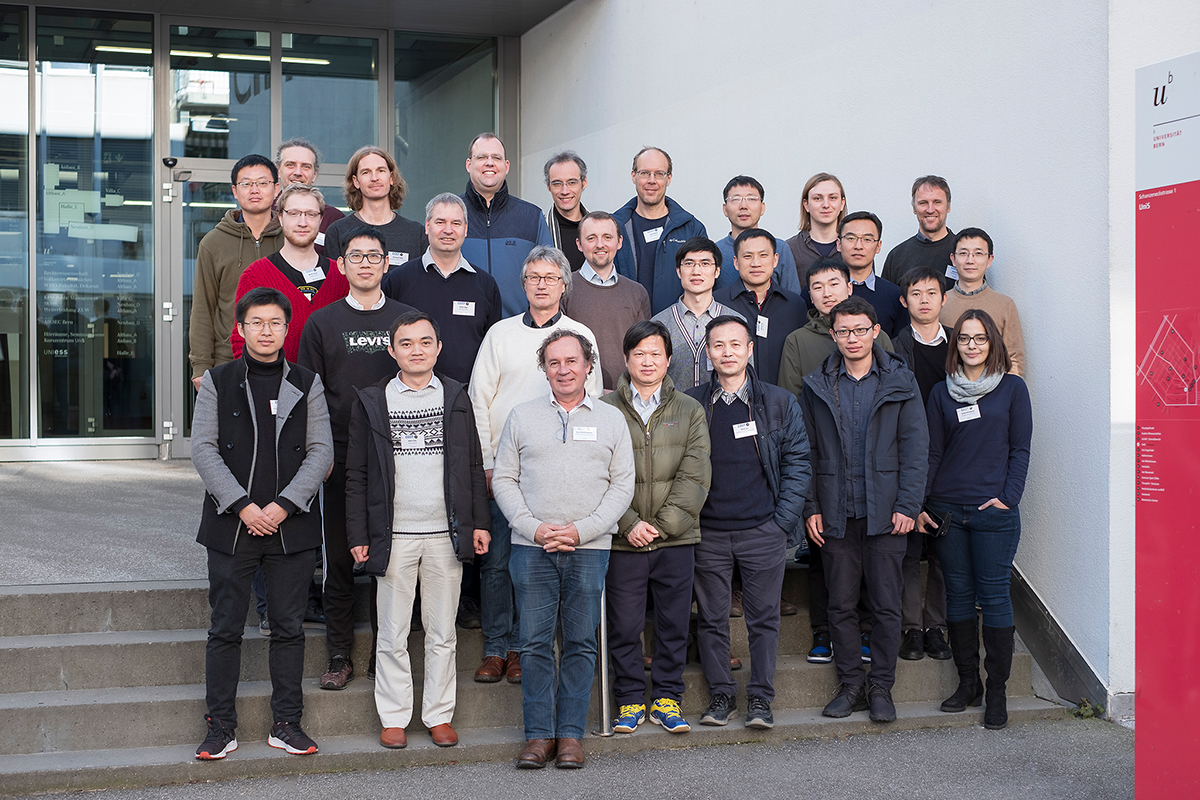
{"x": 980, "y": 426}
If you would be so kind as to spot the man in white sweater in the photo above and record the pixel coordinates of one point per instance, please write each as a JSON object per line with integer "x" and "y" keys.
{"x": 564, "y": 476}
{"x": 506, "y": 374}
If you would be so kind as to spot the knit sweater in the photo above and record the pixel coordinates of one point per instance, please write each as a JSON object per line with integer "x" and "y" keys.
{"x": 608, "y": 311}
{"x": 534, "y": 465}
{"x": 416, "y": 418}
{"x": 506, "y": 374}
{"x": 919, "y": 252}
{"x": 1001, "y": 308}
{"x": 690, "y": 365}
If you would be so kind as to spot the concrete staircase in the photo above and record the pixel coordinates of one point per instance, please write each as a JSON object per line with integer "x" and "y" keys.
{"x": 104, "y": 687}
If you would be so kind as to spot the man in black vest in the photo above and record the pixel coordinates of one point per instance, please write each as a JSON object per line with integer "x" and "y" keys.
{"x": 262, "y": 445}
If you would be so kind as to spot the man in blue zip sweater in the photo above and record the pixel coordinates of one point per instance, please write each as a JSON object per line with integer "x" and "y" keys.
{"x": 501, "y": 229}
{"x": 653, "y": 227}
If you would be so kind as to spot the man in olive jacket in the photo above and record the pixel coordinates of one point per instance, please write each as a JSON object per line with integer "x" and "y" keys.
{"x": 654, "y": 551}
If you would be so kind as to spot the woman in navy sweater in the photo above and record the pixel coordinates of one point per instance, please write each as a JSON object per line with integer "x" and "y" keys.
{"x": 980, "y": 426}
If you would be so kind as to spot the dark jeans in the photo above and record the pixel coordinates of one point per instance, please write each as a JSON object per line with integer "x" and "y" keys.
{"x": 977, "y": 556}
{"x": 498, "y": 613}
{"x": 818, "y": 595}
{"x": 878, "y": 560}
{"x": 923, "y": 609}
{"x": 229, "y": 576}
{"x": 338, "y": 588}
{"x": 761, "y": 552}
{"x": 665, "y": 575}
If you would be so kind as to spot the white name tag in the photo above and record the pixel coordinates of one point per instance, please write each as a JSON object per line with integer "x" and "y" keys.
{"x": 707, "y": 363}
{"x": 951, "y": 273}
{"x": 274, "y": 407}
{"x": 412, "y": 441}
{"x": 763, "y": 322}
{"x": 744, "y": 429}
{"x": 653, "y": 235}
{"x": 314, "y": 274}
{"x": 462, "y": 308}
{"x": 968, "y": 412}
{"x": 583, "y": 434}
{"x": 396, "y": 259}
{"x": 320, "y": 240}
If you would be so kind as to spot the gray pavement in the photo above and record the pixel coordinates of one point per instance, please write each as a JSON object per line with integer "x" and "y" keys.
{"x": 100, "y": 521}
{"x": 1062, "y": 759}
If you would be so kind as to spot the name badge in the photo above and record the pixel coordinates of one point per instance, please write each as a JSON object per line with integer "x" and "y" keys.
{"x": 320, "y": 240}
{"x": 412, "y": 441}
{"x": 707, "y": 363}
{"x": 314, "y": 274}
{"x": 395, "y": 259}
{"x": 274, "y": 407}
{"x": 653, "y": 235}
{"x": 462, "y": 308}
{"x": 744, "y": 429}
{"x": 763, "y": 322}
{"x": 968, "y": 412}
{"x": 582, "y": 434}
{"x": 951, "y": 273}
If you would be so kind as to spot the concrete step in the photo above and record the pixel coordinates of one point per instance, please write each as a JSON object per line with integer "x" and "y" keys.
{"x": 126, "y": 767}
{"x": 146, "y": 716}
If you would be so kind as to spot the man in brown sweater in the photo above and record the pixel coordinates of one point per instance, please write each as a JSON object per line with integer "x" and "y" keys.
{"x": 972, "y": 255}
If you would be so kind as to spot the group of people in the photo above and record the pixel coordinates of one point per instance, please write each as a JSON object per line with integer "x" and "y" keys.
{"x": 599, "y": 408}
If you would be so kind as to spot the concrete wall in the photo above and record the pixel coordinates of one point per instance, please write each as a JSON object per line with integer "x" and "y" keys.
{"x": 1010, "y": 102}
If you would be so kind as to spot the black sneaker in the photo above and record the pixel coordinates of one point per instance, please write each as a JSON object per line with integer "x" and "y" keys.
{"x": 371, "y": 668}
{"x": 912, "y": 646}
{"x": 758, "y": 713}
{"x": 291, "y": 737}
{"x": 220, "y": 741}
{"x": 822, "y": 648}
{"x": 935, "y": 645}
{"x": 314, "y": 614}
{"x": 469, "y": 614}
{"x": 882, "y": 707}
{"x": 719, "y": 708}
{"x": 847, "y": 700}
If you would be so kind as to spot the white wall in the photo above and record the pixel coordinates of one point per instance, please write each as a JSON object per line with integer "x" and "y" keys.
{"x": 1010, "y": 102}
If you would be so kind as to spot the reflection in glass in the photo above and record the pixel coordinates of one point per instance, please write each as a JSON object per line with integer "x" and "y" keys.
{"x": 331, "y": 92}
{"x": 14, "y": 227}
{"x": 445, "y": 94}
{"x": 220, "y": 92}
{"x": 95, "y": 279}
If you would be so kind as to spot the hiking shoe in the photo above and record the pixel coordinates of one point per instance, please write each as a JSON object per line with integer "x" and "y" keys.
{"x": 220, "y": 741}
{"x": 866, "y": 647}
{"x": 629, "y": 718}
{"x": 340, "y": 672}
{"x": 468, "y": 614}
{"x": 264, "y": 627}
{"x": 720, "y": 706}
{"x": 935, "y": 645}
{"x": 912, "y": 646}
{"x": 758, "y": 713}
{"x": 822, "y": 648}
{"x": 665, "y": 712}
{"x": 291, "y": 737}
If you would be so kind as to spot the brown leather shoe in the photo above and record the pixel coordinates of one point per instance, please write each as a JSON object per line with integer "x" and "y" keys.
{"x": 787, "y": 609}
{"x": 443, "y": 735}
{"x": 491, "y": 670}
{"x": 570, "y": 754}
{"x": 395, "y": 738}
{"x": 735, "y": 663}
{"x": 512, "y": 667}
{"x": 537, "y": 753}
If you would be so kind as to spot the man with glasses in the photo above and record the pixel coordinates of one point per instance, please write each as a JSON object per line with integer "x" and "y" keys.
{"x": 860, "y": 235}
{"x": 933, "y": 242}
{"x": 299, "y": 161}
{"x": 652, "y": 227}
{"x": 506, "y": 374}
{"x": 244, "y": 235}
{"x": 502, "y": 229}
{"x": 566, "y": 178}
{"x": 867, "y": 429}
{"x": 971, "y": 256}
{"x": 347, "y": 345}
{"x": 744, "y": 205}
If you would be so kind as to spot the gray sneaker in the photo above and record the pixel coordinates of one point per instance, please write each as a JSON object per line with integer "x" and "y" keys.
{"x": 758, "y": 713}
{"x": 718, "y": 711}
{"x": 264, "y": 627}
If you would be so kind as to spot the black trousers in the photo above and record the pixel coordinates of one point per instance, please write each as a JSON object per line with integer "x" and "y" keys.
{"x": 338, "y": 590}
{"x": 229, "y": 576}
{"x": 665, "y": 576}
{"x": 818, "y": 595}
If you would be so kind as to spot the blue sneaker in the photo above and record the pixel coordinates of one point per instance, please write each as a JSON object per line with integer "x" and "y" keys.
{"x": 666, "y": 713}
{"x": 822, "y": 648}
{"x": 866, "y": 647}
{"x": 630, "y": 717}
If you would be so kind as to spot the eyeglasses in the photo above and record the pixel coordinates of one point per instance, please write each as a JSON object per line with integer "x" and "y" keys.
{"x": 978, "y": 255}
{"x": 645, "y": 175}
{"x": 844, "y": 333}
{"x": 852, "y": 240}
{"x": 257, "y": 325}
{"x": 573, "y": 183}
{"x": 296, "y": 213}
{"x": 707, "y": 263}
{"x": 374, "y": 259}
{"x": 254, "y": 184}
{"x": 549, "y": 280}
{"x": 979, "y": 339}
{"x": 479, "y": 158}
{"x": 749, "y": 199}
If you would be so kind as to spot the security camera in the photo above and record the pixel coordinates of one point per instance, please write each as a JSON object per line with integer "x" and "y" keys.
{"x": 170, "y": 162}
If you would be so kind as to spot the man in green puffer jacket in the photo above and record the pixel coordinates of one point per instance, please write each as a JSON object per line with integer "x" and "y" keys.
{"x": 654, "y": 551}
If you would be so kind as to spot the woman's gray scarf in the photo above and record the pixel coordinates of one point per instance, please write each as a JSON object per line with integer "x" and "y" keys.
{"x": 965, "y": 391}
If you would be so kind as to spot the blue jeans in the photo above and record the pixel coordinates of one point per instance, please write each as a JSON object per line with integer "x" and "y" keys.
{"x": 555, "y": 588}
{"x": 977, "y": 556}
{"x": 497, "y": 614}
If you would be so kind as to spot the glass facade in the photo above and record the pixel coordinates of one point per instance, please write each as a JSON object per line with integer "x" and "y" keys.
{"x": 331, "y": 92}
{"x": 14, "y": 226}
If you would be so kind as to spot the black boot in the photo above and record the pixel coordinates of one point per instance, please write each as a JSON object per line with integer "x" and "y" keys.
{"x": 964, "y": 645}
{"x": 998, "y": 649}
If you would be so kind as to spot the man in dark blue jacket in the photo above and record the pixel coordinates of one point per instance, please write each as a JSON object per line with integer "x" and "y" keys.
{"x": 760, "y": 477}
{"x": 870, "y": 450}
{"x": 653, "y": 226}
{"x": 501, "y": 229}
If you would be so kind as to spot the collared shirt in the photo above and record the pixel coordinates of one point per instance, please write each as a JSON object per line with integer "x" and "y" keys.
{"x": 743, "y": 392}
{"x": 869, "y": 282}
{"x": 971, "y": 293}
{"x": 941, "y": 336}
{"x": 591, "y": 276}
{"x": 645, "y": 408}
{"x": 855, "y": 397}
{"x": 431, "y": 265}
{"x": 402, "y": 387}
{"x": 565, "y": 416}
{"x": 527, "y": 319}
{"x": 357, "y": 306}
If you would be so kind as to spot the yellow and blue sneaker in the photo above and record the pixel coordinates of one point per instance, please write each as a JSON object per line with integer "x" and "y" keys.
{"x": 630, "y": 717}
{"x": 666, "y": 713}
